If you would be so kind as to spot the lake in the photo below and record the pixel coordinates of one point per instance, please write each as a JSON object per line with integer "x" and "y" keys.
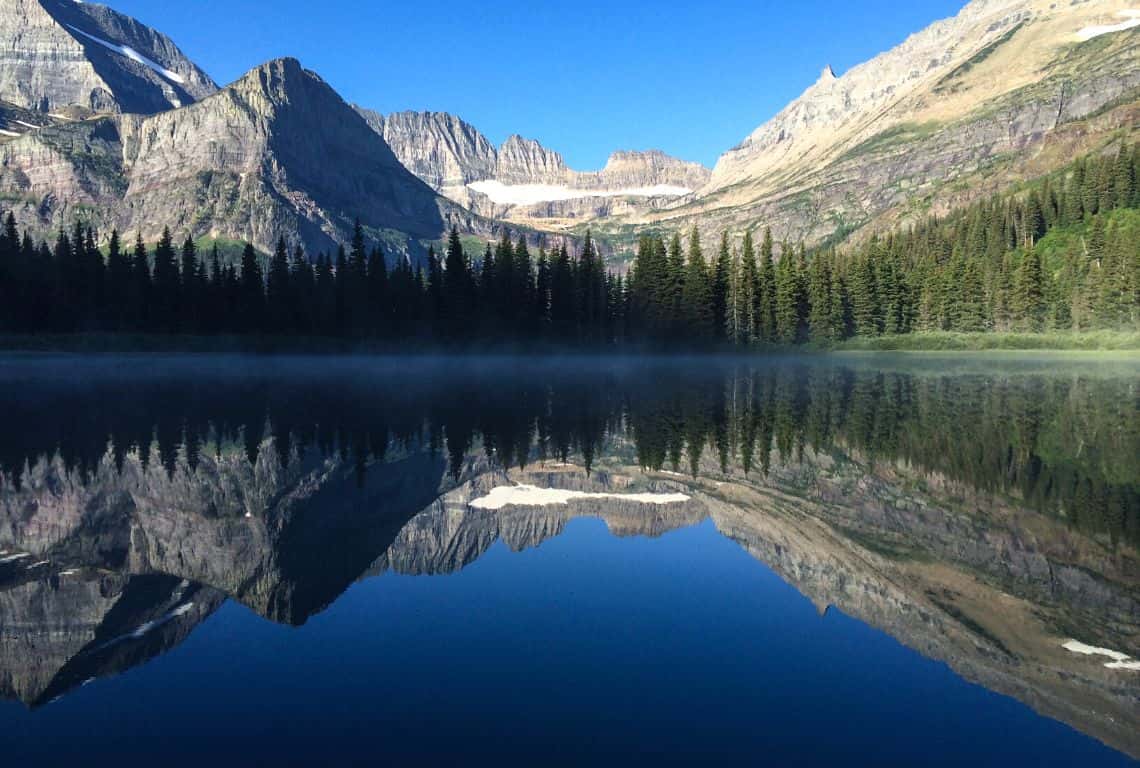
{"x": 888, "y": 560}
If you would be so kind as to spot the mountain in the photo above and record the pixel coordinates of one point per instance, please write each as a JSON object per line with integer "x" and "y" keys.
{"x": 1004, "y": 91}
{"x": 275, "y": 154}
{"x": 522, "y": 180}
{"x": 68, "y": 57}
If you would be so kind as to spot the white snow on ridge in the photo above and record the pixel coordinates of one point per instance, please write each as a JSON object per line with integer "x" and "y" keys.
{"x": 133, "y": 55}
{"x": 1132, "y": 20}
{"x": 1119, "y": 660}
{"x": 8, "y": 133}
{"x": 26, "y": 125}
{"x": 529, "y": 194}
{"x": 531, "y": 496}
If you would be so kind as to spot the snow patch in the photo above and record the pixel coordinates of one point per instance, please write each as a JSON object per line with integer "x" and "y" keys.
{"x": 1119, "y": 660}
{"x": 1132, "y": 19}
{"x": 8, "y": 133}
{"x": 529, "y": 194}
{"x": 133, "y": 55}
{"x": 532, "y": 496}
{"x": 146, "y": 627}
{"x": 26, "y": 125}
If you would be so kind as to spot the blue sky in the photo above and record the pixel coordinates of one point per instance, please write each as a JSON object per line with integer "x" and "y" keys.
{"x": 584, "y": 77}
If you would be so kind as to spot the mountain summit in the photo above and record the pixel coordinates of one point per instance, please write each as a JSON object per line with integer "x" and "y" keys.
{"x": 60, "y": 55}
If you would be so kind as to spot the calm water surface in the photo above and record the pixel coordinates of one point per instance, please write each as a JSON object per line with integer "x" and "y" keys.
{"x": 879, "y": 560}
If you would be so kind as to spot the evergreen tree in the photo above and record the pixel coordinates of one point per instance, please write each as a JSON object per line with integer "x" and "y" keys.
{"x": 752, "y": 324}
{"x": 1029, "y": 301}
{"x": 278, "y": 293}
{"x": 189, "y": 299}
{"x": 252, "y": 292}
{"x": 167, "y": 285}
{"x": 697, "y": 294}
{"x": 721, "y": 282}
{"x": 764, "y": 312}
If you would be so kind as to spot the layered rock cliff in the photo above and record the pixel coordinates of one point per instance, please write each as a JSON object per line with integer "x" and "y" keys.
{"x": 59, "y": 56}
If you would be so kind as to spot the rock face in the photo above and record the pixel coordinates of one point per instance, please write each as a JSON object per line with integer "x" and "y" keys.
{"x": 275, "y": 154}
{"x": 1005, "y": 90}
{"x": 524, "y": 181}
{"x": 58, "y": 55}
{"x": 442, "y": 150}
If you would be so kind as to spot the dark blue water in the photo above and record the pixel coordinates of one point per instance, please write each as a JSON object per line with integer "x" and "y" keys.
{"x": 668, "y": 644}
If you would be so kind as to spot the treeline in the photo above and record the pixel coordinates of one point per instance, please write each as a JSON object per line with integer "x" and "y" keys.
{"x": 1063, "y": 254}
{"x": 506, "y": 296}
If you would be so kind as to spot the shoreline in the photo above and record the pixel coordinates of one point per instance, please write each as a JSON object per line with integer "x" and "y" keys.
{"x": 1117, "y": 343}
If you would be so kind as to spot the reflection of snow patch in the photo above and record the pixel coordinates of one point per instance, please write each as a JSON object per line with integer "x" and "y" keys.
{"x": 142, "y": 629}
{"x": 133, "y": 55}
{"x": 1132, "y": 20}
{"x": 531, "y": 496}
{"x": 13, "y": 558}
{"x": 529, "y": 194}
{"x": 1119, "y": 660}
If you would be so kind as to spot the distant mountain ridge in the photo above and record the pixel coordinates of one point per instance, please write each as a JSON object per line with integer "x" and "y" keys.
{"x": 521, "y": 175}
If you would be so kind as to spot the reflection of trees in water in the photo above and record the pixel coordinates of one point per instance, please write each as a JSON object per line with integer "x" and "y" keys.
{"x": 1069, "y": 446}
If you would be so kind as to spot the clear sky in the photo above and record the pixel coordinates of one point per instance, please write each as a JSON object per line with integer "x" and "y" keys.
{"x": 584, "y": 77}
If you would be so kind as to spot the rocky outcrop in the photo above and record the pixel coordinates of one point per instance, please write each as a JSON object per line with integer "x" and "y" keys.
{"x": 60, "y": 56}
{"x": 442, "y": 150}
{"x": 275, "y": 154}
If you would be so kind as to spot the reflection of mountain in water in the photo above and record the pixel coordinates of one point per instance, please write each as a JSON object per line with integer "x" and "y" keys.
{"x": 140, "y": 556}
{"x": 986, "y": 553}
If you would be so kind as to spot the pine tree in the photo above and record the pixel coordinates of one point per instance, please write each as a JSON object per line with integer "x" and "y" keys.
{"x": 379, "y": 301}
{"x": 458, "y": 292}
{"x": 752, "y": 323}
{"x": 118, "y": 284}
{"x": 252, "y": 291}
{"x": 821, "y": 328}
{"x": 140, "y": 291}
{"x": 721, "y": 279}
{"x": 278, "y": 293}
{"x": 764, "y": 307}
{"x": 697, "y": 294}
{"x": 189, "y": 299}
{"x": 1029, "y": 298}
{"x": 167, "y": 285}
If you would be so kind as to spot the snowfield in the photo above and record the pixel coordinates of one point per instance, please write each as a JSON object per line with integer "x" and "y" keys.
{"x": 530, "y": 194}
{"x": 1119, "y": 660}
{"x": 532, "y": 496}
{"x": 133, "y": 55}
{"x": 1132, "y": 20}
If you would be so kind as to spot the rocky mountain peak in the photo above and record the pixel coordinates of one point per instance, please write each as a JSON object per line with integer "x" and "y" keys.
{"x": 833, "y": 102}
{"x": 525, "y": 161}
{"x": 60, "y": 54}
